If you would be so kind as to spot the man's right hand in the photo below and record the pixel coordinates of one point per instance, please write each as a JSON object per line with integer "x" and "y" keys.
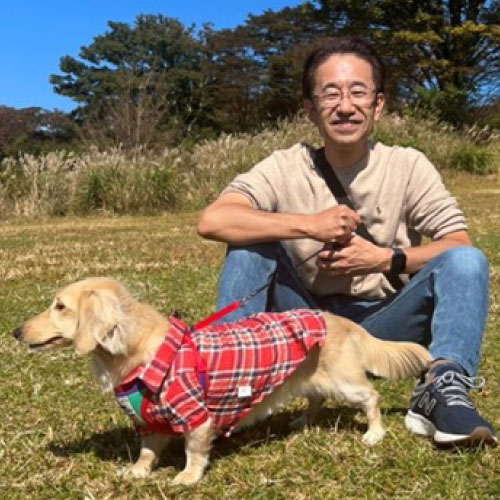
{"x": 334, "y": 224}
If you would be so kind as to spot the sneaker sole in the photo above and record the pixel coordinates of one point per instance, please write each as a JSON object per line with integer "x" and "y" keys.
{"x": 481, "y": 436}
{"x": 420, "y": 425}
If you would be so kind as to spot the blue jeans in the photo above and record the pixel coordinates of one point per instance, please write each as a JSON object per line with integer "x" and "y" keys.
{"x": 444, "y": 306}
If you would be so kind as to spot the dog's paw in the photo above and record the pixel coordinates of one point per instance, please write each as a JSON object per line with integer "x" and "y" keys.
{"x": 373, "y": 436}
{"x": 136, "y": 471}
{"x": 187, "y": 477}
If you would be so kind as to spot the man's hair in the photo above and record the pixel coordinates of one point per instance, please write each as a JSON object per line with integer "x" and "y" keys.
{"x": 341, "y": 45}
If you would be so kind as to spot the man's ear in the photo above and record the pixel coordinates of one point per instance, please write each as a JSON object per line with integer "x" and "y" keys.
{"x": 101, "y": 321}
{"x": 379, "y": 106}
{"x": 310, "y": 110}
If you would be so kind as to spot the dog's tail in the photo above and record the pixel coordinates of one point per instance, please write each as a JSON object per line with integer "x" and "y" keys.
{"x": 391, "y": 360}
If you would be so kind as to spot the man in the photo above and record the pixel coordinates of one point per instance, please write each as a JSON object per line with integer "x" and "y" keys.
{"x": 283, "y": 211}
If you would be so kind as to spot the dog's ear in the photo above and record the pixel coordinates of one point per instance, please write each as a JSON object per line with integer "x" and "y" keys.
{"x": 101, "y": 321}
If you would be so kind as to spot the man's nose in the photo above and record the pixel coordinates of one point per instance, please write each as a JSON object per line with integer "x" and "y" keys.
{"x": 345, "y": 104}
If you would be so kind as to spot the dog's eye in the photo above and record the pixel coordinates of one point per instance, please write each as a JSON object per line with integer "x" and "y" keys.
{"x": 59, "y": 306}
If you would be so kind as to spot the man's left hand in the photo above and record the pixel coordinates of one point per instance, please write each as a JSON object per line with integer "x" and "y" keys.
{"x": 357, "y": 257}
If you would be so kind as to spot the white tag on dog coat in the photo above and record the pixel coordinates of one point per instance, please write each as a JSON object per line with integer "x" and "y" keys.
{"x": 244, "y": 391}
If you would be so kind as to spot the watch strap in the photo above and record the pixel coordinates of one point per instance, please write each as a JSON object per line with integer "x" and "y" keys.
{"x": 398, "y": 261}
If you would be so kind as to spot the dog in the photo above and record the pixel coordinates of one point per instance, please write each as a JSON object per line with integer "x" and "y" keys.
{"x": 98, "y": 316}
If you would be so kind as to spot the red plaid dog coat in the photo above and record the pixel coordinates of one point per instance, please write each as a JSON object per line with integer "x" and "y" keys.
{"x": 245, "y": 362}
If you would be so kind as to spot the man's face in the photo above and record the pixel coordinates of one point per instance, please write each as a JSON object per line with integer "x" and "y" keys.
{"x": 345, "y": 104}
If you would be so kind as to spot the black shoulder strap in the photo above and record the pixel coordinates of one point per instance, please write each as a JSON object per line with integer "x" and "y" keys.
{"x": 333, "y": 183}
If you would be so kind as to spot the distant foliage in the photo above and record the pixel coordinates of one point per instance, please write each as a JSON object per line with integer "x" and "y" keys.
{"x": 34, "y": 131}
{"x": 142, "y": 181}
{"x": 449, "y": 105}
{"x": 156, "y": 83}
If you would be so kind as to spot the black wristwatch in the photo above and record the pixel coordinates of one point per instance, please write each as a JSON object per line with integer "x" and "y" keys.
{"x": 398, "y": 262}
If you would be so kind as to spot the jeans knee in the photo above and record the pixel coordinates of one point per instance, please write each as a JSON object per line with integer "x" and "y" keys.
{"x": 250, "y": 264}
{"x": 466, "y": 261}
{"x": 250, "y": 255}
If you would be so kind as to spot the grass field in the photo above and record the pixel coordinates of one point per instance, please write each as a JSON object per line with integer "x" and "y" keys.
{"x": 61, "y": 438}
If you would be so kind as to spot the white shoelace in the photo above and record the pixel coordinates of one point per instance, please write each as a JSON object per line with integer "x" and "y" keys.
{"x": 454, "y": 387}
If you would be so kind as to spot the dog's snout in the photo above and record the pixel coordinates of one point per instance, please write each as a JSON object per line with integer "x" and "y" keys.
{"x": 17, "y": 333}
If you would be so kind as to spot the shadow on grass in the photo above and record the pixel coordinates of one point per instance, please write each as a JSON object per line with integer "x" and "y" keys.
{"x": 122, "y": 443}
{"x": 114, "y": 444}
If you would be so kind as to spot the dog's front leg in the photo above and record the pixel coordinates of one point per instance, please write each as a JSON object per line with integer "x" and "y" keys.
{"x": 151, "y": 447}
{"x": 198, "y": 443}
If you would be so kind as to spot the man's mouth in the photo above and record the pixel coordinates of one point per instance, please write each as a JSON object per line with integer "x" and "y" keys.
{"x": 345, "y": 126}
{"x": 345, "y": 123}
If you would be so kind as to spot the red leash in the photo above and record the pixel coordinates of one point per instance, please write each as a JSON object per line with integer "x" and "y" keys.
{"x": 217, "y": 315}
{"x": 231, "y": 307}
{"x": 202, "y": 369}
{"x": 238, "y": 303}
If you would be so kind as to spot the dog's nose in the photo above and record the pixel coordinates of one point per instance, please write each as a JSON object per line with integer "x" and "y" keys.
{"x": 17, "y": 333}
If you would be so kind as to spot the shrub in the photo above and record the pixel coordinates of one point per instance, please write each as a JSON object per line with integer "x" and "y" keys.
{"x": 124, "y": 189}
{"x": 94, "y": 188}
{"x": 474, "y": 159}
{"x": 35, "y": 185}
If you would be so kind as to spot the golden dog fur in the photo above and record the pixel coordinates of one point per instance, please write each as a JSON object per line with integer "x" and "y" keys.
{"x": 98, "y": 316}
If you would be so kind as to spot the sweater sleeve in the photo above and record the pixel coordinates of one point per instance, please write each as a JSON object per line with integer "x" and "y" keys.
{"x": 259, "y": 185}
{"x": 430, "y": 208}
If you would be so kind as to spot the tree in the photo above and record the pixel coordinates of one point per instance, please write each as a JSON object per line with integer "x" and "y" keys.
{"x": 255, "y": 68}
{"x": 135, "y": 72}
{"x": 132, "y": 117}
{"x": 446, "y": 45}
{"x": 235, "y": 77}
{"x": 440, "y": 52}
{"x": 158, "y": 82}
{"x": 281, "y": 40}
{"x": 33, "y": 130}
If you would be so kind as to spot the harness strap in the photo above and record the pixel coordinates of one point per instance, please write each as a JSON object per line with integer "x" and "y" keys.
{"x": 186, "y": 339}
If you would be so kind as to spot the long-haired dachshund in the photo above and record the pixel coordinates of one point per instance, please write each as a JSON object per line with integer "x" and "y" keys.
{"x": 210, "y": 381}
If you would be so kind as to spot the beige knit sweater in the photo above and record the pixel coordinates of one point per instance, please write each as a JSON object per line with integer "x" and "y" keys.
{"x": 397, "y": 192}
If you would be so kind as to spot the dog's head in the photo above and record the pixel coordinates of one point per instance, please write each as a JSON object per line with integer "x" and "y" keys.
{"x": 88, "y": 314}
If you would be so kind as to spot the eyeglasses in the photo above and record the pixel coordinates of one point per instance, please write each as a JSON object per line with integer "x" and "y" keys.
{"x": 359, "y": 96}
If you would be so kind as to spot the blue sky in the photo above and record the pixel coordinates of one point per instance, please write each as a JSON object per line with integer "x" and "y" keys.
{"x": 34, "y": 34}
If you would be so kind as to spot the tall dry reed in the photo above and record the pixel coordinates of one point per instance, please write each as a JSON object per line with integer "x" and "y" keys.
{"x": 140, "y": 181}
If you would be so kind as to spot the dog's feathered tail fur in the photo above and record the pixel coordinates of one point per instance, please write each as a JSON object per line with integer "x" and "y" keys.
{"x": 391, "y": 360}
{"x": 382, "y": 358}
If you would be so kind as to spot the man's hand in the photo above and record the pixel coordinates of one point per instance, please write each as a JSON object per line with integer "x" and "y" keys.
{"x": 356, "y": 257}
{"x": 334, "y": 224}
